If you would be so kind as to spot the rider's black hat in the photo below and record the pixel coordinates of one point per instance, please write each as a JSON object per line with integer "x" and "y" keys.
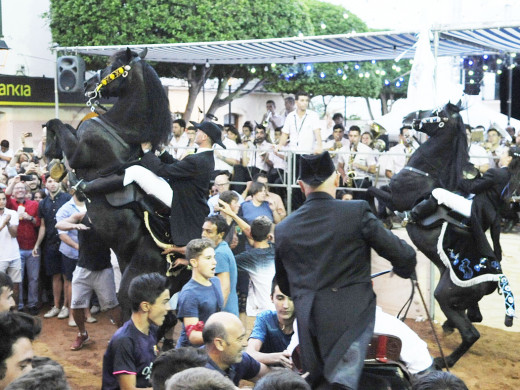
{"x": 211, "y": 129}
{"x": 316, "y": 168}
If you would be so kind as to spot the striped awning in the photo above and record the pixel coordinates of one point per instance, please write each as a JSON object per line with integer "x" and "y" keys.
{"x": 329, "y": 48}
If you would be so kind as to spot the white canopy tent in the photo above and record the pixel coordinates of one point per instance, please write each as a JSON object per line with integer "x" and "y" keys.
{"x": 384, "y": 45}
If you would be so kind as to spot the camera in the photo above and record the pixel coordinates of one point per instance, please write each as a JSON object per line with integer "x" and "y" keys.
{"x": 26, "y": 177}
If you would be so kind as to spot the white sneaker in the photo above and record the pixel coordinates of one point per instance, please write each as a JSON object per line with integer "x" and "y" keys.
{"x": 52, "y": 313}
{"x": 72, "y": 323}
{"x": 94, "y": 309}
{"x": 64, "y": 313}
{"x": 91, "y": 320}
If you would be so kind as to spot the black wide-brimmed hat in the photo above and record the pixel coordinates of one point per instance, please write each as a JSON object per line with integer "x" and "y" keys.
{"x": 316, "y": 168}
{"x": 212, "y": 130}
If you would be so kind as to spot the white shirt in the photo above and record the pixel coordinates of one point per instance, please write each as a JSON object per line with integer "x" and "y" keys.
{"x": 173, "y": 147}
{"x": 278, "y": 122}
{"x": 397, "y": 158}
{"x": 232, "y": 151}
{"x": 495, "y": 157}
{"x": 364, "y": 157}
{"x": 414, "y": 351}
{"x": 10, "y": 249}
{"x": 8, "y": 153}
{"x": 213, "y": 201}
{"x": 333, "y": 151}
{"x": 477, "y": 155}
{"x": 301, "y": 130}
{"x": 256, "y": 156}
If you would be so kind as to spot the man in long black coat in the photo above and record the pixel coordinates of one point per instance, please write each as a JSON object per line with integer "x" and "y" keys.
{"x": 323, "y": 263}
{"x": 189, "y": 178}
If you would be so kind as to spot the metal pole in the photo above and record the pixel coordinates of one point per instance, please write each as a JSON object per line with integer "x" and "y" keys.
{"x": 229, "y": 109}
{"x": 204, "y": 100}
{"x": 509, "y": 89}
{"x": 289, "y": 181}
{"x": 56, "y": 96}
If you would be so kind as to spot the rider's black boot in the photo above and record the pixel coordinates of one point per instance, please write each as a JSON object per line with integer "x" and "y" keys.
{"x": 101, "y": 185}
{"x": 423, "y": 209}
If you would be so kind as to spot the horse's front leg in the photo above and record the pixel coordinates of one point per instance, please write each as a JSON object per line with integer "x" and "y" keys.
{"x": 62, "y": 138}
{"x": 447, "y": 298}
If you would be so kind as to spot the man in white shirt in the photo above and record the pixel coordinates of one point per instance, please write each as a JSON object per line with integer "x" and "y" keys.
{"x": 271, "y": 120}
{"x": 180, "y": 138}
{"x": 10, "y": 262}
{"x": 225, "y": 160}
{"x": 357, "y": 158}
{"x": 259, "y": 159}
{"x": 356, "y": 164}
{"x": 477, "y": 154}
{"x": 5, "y": 153}
{"x": 337, "y": 143}
{"x": 398, "y": 155}
{"x": 302, "y": 127}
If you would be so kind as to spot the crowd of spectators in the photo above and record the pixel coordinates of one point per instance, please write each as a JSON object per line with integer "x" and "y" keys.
{"x": 232, "y": 261}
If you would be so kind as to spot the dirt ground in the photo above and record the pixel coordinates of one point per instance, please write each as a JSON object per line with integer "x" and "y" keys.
{"x": 492, "y": 363}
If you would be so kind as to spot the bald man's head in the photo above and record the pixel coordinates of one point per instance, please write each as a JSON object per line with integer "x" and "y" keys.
{"x": 224, "y": 336}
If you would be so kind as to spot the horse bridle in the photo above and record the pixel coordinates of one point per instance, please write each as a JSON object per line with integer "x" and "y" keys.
{"x": 417, "y": 123}
{"x": 122, "y": 71}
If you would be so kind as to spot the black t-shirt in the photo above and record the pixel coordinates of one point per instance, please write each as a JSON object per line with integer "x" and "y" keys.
{"x": 47, "y": 209}
{"x": 94, "y": 254}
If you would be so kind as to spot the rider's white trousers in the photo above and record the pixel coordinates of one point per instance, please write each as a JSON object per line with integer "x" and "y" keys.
{"x": 456, "y": 202}
{"x": 150, "y": 183}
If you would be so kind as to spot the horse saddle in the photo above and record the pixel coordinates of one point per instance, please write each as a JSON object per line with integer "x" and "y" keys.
{"x": 444, "y": 214}
{"x": 124, "y": 196}
{"x": 157, "y": 214}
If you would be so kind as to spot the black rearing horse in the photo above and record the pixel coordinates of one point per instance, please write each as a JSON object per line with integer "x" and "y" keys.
{"x": 439, "y": 162}
{"x": 105, "y": 144}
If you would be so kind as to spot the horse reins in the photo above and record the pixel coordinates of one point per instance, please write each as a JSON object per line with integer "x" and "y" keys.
{"x": 122, "y": 71}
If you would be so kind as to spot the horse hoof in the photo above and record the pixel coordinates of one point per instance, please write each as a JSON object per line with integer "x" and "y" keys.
{"x": 475, "y": 318}
{"x": 508, "y": 321}
{"x": 447, "y": 329}
{"x": 438, "y": 363}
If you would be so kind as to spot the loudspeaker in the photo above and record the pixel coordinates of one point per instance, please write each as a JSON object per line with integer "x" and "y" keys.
{"x": 504, "y": 92}
{"x": 71, "y": 74}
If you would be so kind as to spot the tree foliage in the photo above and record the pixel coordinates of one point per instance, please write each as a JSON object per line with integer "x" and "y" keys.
{"x": 332, "y": 79}
{"x": 116, "y": 22}
{"x": 119, "y": 22}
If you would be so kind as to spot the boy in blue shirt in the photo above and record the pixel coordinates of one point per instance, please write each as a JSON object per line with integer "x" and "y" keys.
{"x": 202, "y": 295}
{"x": 273, "y": 330}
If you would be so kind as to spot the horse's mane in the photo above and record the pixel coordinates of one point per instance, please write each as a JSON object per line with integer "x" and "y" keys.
{"x": 459, "y": 150}
{"x": 158, "y": 116}
{"x": 158, "y": 113}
